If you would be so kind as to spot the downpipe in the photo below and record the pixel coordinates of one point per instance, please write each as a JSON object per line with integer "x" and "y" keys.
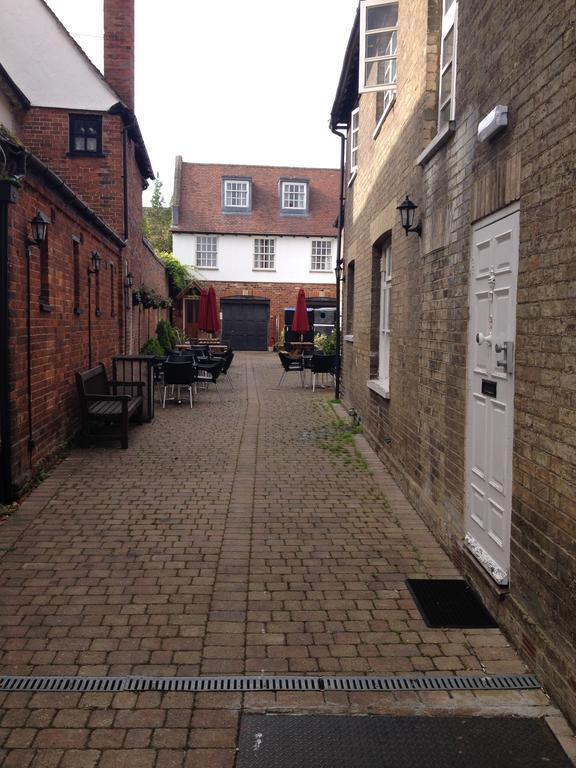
{"x": 339, "y": 260}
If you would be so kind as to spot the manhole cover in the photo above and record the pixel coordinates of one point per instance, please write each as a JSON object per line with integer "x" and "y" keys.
{"x": 449, "y": 603}
{"x": 287, "y": 741}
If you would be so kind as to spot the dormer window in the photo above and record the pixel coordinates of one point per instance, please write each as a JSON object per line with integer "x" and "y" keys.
{"x": 293, "y": 196}
{"x": 236, "y": 195}
{"x": 85, "y": 135}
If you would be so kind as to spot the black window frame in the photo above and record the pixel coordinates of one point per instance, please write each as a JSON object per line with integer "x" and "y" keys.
{"x": 74, "y": 121}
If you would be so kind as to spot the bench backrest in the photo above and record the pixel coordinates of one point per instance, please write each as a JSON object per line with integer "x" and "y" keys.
{"x": 92, "y": 382}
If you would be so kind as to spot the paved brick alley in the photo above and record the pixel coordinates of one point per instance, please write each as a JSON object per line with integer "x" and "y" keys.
{"x": 241, "y": 537}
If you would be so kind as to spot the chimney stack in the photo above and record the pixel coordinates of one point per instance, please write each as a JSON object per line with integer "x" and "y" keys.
{"x": 119, "y": 48}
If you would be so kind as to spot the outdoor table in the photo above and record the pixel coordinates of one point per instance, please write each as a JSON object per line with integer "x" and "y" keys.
{"x": 298, "y": 347}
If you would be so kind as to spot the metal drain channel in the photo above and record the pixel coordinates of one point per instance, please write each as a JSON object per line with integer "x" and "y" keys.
{"x": 247, "y": 684}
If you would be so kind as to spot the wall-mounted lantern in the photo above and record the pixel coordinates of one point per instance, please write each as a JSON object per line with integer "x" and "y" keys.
{"x": 39, "y": 226}
{"x": 407, "y": 212}
{"x": 96, "y": 261}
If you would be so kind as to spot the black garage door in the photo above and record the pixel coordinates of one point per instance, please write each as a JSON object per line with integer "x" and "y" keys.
{"x": 245, "y": 323}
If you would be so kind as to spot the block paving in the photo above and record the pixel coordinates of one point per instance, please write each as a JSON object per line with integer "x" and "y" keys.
{"x": 251, "y": 536}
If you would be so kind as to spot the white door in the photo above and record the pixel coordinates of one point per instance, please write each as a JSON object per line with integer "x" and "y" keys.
{"x": 493, "y": 278}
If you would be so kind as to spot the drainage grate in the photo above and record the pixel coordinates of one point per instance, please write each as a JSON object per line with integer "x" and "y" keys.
{"x": 247, "y": 684}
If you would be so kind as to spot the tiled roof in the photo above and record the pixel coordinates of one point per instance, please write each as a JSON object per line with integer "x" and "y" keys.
{"x": 199, "y": 201}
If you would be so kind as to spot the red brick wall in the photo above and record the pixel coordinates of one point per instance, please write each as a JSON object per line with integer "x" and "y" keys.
{"x": 281, "y": 295}
{"x": 145, "y": 267}
{"x": 96, "y": 180}
{"x": 59, "y": 338}
{"x": 119, "y": 48}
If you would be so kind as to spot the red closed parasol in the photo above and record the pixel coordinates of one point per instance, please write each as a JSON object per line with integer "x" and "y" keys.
{"x": 212, "y": 319}
{"x": 300, "y": 322}
{"x": 202, "y": 309}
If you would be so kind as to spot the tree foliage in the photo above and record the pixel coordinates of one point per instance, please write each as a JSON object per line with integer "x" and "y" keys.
{"x": 179, "y": 275}
{"x": 157, "y": 221}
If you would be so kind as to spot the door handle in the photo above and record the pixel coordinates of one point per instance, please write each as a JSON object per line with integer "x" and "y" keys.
{"x": 481, "y": 339}
{"x": 507, "y": 363}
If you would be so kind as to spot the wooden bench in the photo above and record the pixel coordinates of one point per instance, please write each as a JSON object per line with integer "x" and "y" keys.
{"x": 100, "y": 403}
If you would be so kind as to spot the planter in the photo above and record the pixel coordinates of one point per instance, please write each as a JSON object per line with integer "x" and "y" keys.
{"x": 9, "y": 190}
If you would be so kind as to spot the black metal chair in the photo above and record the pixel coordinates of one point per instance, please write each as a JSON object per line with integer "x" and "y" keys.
{"x": 201, "y": 350}
{"x": 209, "y": 371}
{"x": 227, "y": 357}
{"x": 179, "y": 374}
{"x": 321, "y": 364}
{"x": 291, "y": 364}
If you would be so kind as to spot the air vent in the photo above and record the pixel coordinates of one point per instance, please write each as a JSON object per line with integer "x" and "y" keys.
{"x": 247, "y": 684}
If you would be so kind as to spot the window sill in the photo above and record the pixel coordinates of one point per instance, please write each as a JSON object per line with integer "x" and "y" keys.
{"x": 352, "y": 177}
{"x": 45, "y": 307}
{"x": 385, "y": 114}
{"x": 85, "y": 154}
{"x": 210, "y": 269}
{"x": 349, "y": 337}
{"x": 379, "y": 387}
{"x": 262, "y": 269}
{"x": 237, "y": 211}
{"x": 322, "y": 271}
{"x": 437, "y": 142}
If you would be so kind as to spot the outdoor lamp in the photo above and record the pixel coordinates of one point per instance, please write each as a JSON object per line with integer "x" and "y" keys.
{"x": 39, "y": 226}
{"x": 129, "y": 281}
{"x": 96, "y": 260}
{"x": 407, "y": 210}
{"x": 338, "y": 269}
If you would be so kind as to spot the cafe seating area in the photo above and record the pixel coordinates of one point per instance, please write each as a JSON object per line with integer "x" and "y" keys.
{"x": 192, "y": 368}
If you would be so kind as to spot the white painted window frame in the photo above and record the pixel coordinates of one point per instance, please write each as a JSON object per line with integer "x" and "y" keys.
{"x": 321, "y": 252}
{"x": 299, "y": 191}
{"x": 449, "y": 23}
{"x": 264, "y": 251}
{"x": 362, "y": 87}
{"x": 243, "y": 185}
{"x": 384, "y": 326}
{"x": 207, "y": 251}
{"x": 354, "y": 140}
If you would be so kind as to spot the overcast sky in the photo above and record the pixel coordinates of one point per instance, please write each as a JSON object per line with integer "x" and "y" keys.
{"x": 247, "y": 82}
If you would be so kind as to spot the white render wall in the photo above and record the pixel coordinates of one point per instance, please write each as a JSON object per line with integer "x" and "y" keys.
{"x": 6, "y": 116}
{"x": 236, "y": 259}
{"x": 45, "y": 63}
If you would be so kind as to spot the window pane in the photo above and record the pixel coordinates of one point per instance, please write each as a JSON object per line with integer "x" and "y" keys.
{"x": 448, "y": 49}
{"x": 381, "y": 72}
{"x": 79, "y": 143}
{"x": 91, "y": 145}
{"x": 382, "y": 16}
{"x": 447, "y": 5}
{"x": 445, "y": 114}
{"x": 446, "y": 85}
{"x": 381, "y": 44}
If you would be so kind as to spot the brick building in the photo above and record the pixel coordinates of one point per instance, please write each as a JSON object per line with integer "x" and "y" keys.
{"x": 71, "y": 149}
{"x": 257, "y": 234}
{"x": 459, "y": 350}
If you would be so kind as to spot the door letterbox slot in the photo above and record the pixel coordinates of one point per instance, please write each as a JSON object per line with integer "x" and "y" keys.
{"x": 488, "y": 387}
